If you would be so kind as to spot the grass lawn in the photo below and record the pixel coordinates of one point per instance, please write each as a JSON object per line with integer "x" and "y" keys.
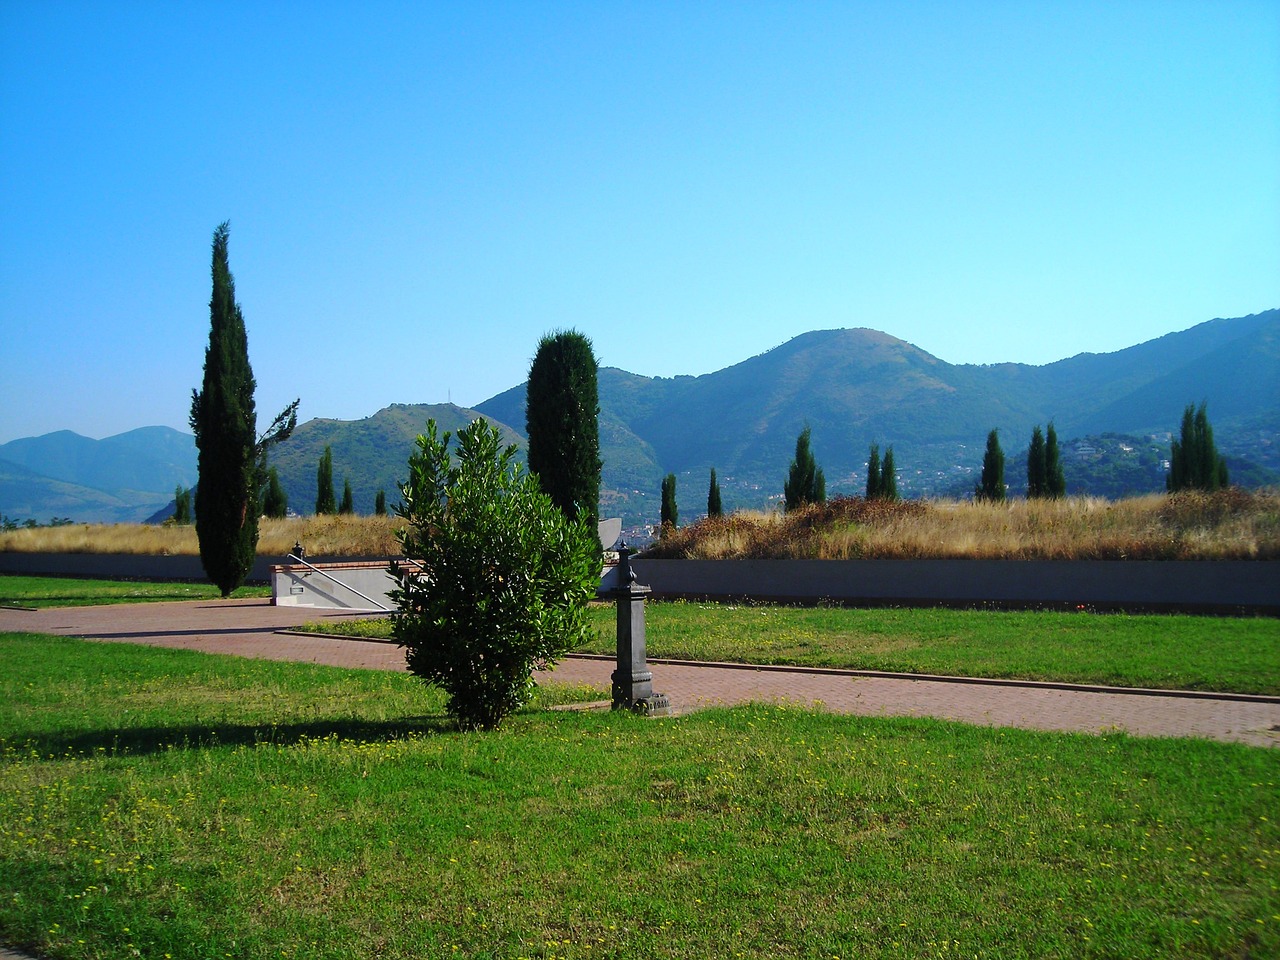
{"x": 162, "y": 803}
{"x": 1240, "y": 655}
{"x": 19, "y": 591}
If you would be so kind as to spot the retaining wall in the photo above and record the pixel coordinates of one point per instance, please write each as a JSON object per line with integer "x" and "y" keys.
{"x": 127, "y": 566}
{"x": 349, "y": 585}
{"x": 1225, "y": 586}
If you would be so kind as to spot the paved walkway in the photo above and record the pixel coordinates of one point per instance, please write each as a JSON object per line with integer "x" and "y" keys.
{"x": 250, "y": 628}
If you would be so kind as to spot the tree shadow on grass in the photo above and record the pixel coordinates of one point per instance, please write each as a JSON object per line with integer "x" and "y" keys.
{"x": 142, "y": 741}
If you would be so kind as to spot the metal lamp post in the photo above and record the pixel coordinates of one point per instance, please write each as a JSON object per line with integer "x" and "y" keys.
{"x": 632, "y": 681}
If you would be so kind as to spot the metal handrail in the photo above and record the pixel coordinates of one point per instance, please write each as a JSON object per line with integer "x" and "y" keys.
{"x": 344, "y": 586}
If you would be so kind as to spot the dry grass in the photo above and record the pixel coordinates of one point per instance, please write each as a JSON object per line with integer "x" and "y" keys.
{"x": 1231, "y": 524}
{"x": 348, "y": 536}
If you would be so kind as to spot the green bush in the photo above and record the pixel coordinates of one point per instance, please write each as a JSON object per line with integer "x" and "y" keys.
{"x": 496, "y": 580}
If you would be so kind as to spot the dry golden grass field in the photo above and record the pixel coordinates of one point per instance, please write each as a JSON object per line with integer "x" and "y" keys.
{"x": 1231, "y": 524}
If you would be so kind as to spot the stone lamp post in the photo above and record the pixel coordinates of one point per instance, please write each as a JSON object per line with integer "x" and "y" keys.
{"x": 632, "y": 681}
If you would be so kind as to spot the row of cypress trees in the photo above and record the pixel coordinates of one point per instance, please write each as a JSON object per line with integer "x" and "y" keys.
{"x": 1045, "y": 478}
{"x": 1195, "y": 464}
{"x": 562, "y": 410}
{"x": 1194, "y": 461}
{"x": 327, "y": 503}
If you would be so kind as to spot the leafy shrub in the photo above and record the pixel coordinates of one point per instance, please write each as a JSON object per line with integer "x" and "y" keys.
{"x": 497, "y": 580}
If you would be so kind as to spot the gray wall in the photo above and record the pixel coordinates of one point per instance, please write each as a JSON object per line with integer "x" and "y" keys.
{"x": 1225, "y": 586}
{"x": 335, "y": 586}
{"x": 1211, "y": 585}
{"x": 125, "y": 566}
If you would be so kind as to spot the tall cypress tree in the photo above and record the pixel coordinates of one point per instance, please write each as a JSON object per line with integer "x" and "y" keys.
{"x": 888, "y": 477}
{"x": 380, "y": 504}
{"x": 561, "y": 413}
{"x": 670, "y": 518}
{"x": 1194, "y": 461}
{"x": 224, "y": 421}
{"x": 805, "y": 482}
{"x": 991, "y": 486}
{"x": 181, "y": 505}
{"x": 1037, "y": 467}
{"x": 325, "y": 500}
{"x": 714, "y": 507}
{"x": 1055, "y": 479}
{"x": 275, "y": 503}
{"x": 348, "y": 504}
{"x": 873, "y": 472}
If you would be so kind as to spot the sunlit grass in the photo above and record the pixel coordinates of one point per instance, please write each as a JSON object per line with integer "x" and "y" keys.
{"x": 1240, "y": 655}
{"x": 162, "y": 803}
{"x": 19, "y": 591}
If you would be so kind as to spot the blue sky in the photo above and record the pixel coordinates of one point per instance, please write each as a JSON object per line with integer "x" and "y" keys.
{"x": 418, "y": 191}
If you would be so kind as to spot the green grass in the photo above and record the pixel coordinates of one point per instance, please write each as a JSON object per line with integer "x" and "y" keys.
{"x": 19, "y": 591}
{"x": 1240, "y": 655}
{"x": 160, "y": 803}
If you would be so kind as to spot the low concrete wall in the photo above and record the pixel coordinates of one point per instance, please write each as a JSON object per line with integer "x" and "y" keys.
{"x": 349, "y": 585}
{"x": 1225, "y": 586}
{"x": 126, "y": 566}
{"x": 1209, "y": 585}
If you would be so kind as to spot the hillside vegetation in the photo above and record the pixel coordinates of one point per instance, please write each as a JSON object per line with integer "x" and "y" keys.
{"x": 1230, "y": 524}
{"x": 1113, "y": 413}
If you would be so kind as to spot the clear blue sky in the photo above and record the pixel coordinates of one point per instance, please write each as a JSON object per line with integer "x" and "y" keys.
{"x": 418, "y": 191}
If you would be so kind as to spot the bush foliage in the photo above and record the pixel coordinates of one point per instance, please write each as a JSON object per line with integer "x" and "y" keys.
{"x": 497, "y": 579}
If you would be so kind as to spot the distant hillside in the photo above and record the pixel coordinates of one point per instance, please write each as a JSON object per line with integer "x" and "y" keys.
{"x": 118, "y": 479}
{"x": 851, "y": 387}
{"x": 372, "y": 453}
{"x": 858, "y": 387}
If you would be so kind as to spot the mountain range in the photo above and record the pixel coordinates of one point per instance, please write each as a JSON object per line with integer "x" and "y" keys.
{"x": 851, "y": 387}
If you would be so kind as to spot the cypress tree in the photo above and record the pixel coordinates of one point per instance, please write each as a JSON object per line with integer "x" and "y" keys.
{"x": 348, "y": 505}
{"x": 231, "y": 459}
{"x": 991, "y": 487}
{"x": 181, "y": 505}
{"x": 561, "y": 420}
{"x": 325, "y": 501}
{"x": 873, "y": 472}
{"x": 380, "y": 504}
{"x": 1194, "y": 461}
{"x": 670, "y": 512}
{"x": 275, "y": 503}
{"x": 1037, "y": 467}
{"x": 888, "y": 477}
{"x": 805, "y": 481}
{"x": 1055, "y": 479}
{"x": 714, "y": 507}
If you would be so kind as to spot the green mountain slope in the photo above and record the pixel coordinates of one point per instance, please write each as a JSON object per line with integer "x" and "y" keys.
{"x": 372, "y": 453}
{"x": 851, "y": 387}
{"x": 151, "y": 460}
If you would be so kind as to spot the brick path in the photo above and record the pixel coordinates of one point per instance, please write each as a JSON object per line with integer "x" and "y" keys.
{"x": 249, "y": 628}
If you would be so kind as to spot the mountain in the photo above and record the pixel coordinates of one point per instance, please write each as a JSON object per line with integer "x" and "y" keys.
{"x": 852, "y": 387}
{"x": 118, "y": 479}
{"x": 858, "y": 387}
{"x": 372, "y": 453}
